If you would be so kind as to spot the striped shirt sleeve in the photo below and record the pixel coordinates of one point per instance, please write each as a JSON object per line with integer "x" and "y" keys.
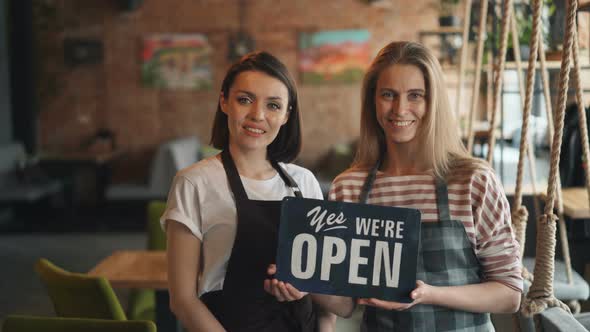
{"x": 495, "y": 243}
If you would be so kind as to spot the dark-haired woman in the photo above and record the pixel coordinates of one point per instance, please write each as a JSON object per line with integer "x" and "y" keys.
{"x": 222, "y": 213}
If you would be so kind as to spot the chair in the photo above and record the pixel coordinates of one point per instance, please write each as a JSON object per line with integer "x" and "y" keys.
{"x": 170, "y": 157}
{"x": 21, "y": 183}
{"x": 26, "y": 323}
{"x": 79, "y": 295}
{"x": 577, "y": 290}
{"x": 142, "y": 302}
{"x": 156, "y": 236}
{"x": 557, "y": 320}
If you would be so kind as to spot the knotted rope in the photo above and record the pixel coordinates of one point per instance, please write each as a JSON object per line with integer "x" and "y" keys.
{"x": 463, "y": 58}
{"x": 499, "y": 75}
{"x": 581, "y": 111}
{"x": 530, "y": 150}
{"x": 519, "y": 211}
{"x": 562, "y": 233}
{"x": 540, "y": 295}
{"x": 483, "y": 13}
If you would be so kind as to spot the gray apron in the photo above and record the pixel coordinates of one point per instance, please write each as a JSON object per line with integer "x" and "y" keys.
{"x": 445, "y": 258}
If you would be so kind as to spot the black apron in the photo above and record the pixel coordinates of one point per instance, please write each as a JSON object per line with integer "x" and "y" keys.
{"x": 243, "y": 304}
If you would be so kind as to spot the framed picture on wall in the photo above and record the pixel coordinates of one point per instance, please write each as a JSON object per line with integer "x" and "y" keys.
{"x": 176, "y": 61}
{"x": 338, "y": 56}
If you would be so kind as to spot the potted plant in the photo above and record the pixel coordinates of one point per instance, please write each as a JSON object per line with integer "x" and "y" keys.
{"x": 447, "y": 13}
{"x": 524, "y": 24}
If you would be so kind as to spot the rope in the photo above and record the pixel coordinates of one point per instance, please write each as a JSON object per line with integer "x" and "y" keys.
{"x": 575, "y": 305}
{"x": 520, "y": 213}
{"x": 489, "y": 85}
{"x": 560, "y": 113}
{"x": 540, "y": 295}
{"x": 581, "y": 111}
{"x": 499, "y": 75}
{"x": 528, "y": 102}
{"x": 520, "y": 216}
{"x": 549, "y": 111}
{"x": 565, "y": 249}
{"x": 483, "y": 13}
{"x": 463, "y": 58}
{"x": 530, "y": 150}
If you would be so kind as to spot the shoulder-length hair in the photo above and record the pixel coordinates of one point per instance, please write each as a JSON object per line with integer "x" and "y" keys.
{"x": 439, "y": 140}
{"x": 287, "y": 145}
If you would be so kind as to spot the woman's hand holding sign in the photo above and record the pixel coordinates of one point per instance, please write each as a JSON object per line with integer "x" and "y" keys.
{"x": 283, "y": 291}
{"x": 422, "y": 294}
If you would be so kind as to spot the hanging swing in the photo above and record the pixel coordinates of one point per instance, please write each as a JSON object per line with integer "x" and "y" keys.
{"x": 569, "y": 285}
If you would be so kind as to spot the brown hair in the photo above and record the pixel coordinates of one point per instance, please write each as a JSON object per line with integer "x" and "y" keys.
{"x": 287, "y": 145}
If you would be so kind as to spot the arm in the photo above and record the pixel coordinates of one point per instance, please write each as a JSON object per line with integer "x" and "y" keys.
{"x": 184, "y": 252}
{"x": 490, "y": 296}
{"x": 339, "y": 305}
{"x": 326, "y": 320}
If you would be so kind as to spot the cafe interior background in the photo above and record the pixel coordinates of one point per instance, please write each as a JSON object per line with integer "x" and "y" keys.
{"x": 102, "y": 102}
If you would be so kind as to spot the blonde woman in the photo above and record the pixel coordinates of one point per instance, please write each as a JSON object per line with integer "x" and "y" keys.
{"x": 410, "y": 155}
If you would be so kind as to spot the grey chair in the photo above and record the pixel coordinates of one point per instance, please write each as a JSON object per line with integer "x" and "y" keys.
{"x": 577, "y": 290}
{"x": 170, "y": 157}
{"x": 26, "y": 190}
{"x": 558, "y": 320}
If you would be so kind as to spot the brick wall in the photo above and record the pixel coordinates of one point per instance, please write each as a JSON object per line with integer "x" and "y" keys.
{"x": 77, "y": 100}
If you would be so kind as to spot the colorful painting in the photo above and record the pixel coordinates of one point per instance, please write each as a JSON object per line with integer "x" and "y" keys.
{"x": 177, "y": 62}
{"x": 334, "y": 56}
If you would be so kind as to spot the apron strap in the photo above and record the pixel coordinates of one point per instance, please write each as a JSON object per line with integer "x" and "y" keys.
{"x": 368, "y": 185}
{"x": 442, "y": 200}
{"x": 288, "y": 179}
{"x": 233, "y": 176}
{"x": 236, "y": 183}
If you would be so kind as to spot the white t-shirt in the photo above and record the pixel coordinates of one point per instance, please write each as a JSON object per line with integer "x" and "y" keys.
{"x": 201, "y": 199}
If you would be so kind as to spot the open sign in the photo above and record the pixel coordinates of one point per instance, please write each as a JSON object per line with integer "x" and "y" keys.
{"x": 348, "y": 249}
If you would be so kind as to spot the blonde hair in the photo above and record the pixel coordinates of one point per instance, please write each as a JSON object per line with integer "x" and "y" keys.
{"x": 440, "y": 143}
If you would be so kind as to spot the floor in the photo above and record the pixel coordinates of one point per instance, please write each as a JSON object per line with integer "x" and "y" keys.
{"x": 22, "y": 291}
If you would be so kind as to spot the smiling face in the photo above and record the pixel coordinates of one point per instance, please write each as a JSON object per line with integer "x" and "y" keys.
{"x": 400, "y": 102}
{"x": 256, "y": 108}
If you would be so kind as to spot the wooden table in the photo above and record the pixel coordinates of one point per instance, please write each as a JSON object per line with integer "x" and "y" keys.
{"x": 141, "y": 269}
{"x": 134, "y": 269}
{"x": 575, "y": 203}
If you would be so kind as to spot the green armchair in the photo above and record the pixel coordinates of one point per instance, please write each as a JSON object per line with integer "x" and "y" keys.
{"x": 26, "y": 323}
{"x": 79, "y": 295}
{"x": 142, "y": 302}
